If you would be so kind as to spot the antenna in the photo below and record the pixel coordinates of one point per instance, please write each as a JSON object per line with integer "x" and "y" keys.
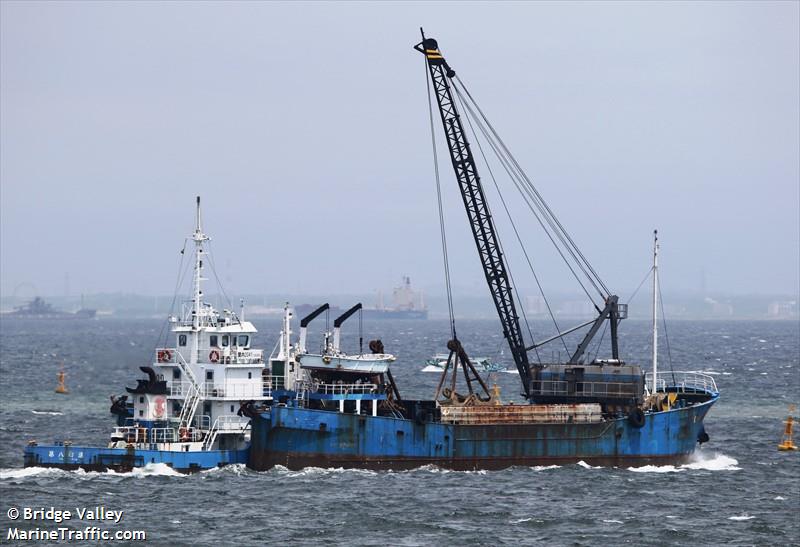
{"x": 655, "y": 310}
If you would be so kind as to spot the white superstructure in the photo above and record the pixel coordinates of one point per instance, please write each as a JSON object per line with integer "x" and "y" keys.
{"x": 202, "y": 377}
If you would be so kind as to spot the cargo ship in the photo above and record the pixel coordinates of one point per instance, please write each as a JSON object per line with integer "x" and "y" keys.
{"x": 186, "y": 413}
{"x": 407, "y": 303}
{"x": 602, "y": 411}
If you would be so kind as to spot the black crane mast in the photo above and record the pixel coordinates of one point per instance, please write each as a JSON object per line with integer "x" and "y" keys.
{"x": 480, "y": 219}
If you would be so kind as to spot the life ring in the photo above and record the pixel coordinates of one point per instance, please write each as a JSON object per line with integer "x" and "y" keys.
{"x": 160, "y": 407}
{"x": 636, "y": 417}
{"x": 213, "y": 356}
{"x": 164, "y": 356}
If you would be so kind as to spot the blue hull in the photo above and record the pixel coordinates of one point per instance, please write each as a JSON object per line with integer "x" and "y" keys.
{"x": 122, "y": 459}
{"x": 297, "y": 437}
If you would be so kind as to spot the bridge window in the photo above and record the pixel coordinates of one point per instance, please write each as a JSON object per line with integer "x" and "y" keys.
{"x": 249, "y": 375}
{"x": 176, "y": 374}
{"x": 243, "y": 340}
{"x": 224, "y": 340}
{"x": 213, "y": 340}
{"x": 182, "y": 340}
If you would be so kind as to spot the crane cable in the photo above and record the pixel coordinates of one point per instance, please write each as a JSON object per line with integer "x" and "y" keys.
{"x": 519, "y": 240}
{"x": 441, "y": 210}
{"x": 560, "y": 228}
{"x": 552, "y": 219}
{"x": 528, "y": 198}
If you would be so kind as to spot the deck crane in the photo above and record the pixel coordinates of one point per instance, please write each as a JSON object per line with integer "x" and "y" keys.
{"x": 490, "y": 251}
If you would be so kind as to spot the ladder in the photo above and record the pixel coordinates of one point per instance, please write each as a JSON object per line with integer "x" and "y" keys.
{"x": 301, "y": 393}
{"x": 193, "y": 397}
{"x": 218, "y": 424}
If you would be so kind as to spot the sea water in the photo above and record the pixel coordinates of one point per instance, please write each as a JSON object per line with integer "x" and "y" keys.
{"x": 738, "y": 490}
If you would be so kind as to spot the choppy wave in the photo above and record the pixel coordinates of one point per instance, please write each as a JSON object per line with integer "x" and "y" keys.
{"x": 155, "y": 470}
{"x": 741, "y": 517}
{"x": 231, "y": 469}
{"x": 712, "y": 462}
{"x": 47, "y": 412}
{"x": 655, "y": 469}
{"x": 27, "y": 472}
{"x": 311, "y": 471}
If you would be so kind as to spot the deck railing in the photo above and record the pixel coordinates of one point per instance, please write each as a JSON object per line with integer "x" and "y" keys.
{"x": 585, "y": 389}
{"x": 210, "y": 390}
{"x": 227, "y": 356}
{"x": 682, "y": 381}
{"x": 345, "y": 389}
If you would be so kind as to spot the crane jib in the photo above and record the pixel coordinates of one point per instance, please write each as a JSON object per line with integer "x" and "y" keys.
{"x": 480, "y": 220}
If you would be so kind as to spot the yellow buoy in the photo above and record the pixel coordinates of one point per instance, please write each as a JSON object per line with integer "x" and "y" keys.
{"x": 787, "y": 443}
{"x": 61, "y": 387}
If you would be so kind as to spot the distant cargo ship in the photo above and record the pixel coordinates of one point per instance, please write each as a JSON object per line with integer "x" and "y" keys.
{"x": 406, "y": 304}
{"x": 39, "y": 309}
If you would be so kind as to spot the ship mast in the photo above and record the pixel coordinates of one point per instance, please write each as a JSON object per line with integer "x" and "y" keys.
{"x": 655, "y": 310}
{"x": 198, "y": 237}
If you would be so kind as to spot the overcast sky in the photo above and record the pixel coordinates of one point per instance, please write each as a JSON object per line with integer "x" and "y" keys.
{"x": 304, "y": 128}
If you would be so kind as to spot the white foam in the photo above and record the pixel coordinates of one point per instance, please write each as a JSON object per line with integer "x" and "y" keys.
{"x": 432, "y": 368}
{"x": 47, "y": 412}
{"x": 779, "y": 498}
{"x": 517, "y": 521}
{"x": 545, "y": 467}
{"x": 655, "y": 469}
{"x": 612, "y": 521}
{"x": 761, "y": 340}
{"x": 741, "y": 517}
{"x": 25, "y": 472}
{"x": 587, "y": 466}
{"x": 175, "y": 521}
{"x": 315, "y": 471}
{"x": 235, "y": 468}
{"x": 155, "y": 470}
{"x": 712, "y": 462}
